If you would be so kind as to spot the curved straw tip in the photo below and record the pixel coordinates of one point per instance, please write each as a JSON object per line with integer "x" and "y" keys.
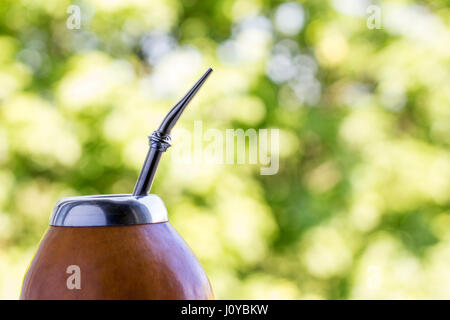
{"x": 206, "y": 74}
{"x": 157, "y": 146}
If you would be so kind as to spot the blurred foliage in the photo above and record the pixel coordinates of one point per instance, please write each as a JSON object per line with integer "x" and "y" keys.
{"x": 360, "y": 206}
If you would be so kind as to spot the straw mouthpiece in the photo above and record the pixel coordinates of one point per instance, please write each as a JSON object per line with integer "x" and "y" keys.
{"x": 174, "y": 114}
{"x": 160, "y": 139}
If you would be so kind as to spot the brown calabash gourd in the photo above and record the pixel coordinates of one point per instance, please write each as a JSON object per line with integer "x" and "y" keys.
{"x": 118, "y": 246}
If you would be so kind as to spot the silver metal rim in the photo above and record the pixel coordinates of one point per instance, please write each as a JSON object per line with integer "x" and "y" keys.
{"x": 108, "y": 210}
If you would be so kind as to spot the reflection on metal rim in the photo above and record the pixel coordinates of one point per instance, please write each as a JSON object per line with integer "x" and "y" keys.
{"x": 108, "y": 210}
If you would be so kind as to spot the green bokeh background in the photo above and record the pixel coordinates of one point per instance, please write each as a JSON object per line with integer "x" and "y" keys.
{"x": 360, "y": 205}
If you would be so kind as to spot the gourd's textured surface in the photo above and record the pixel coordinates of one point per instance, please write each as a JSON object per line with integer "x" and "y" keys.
{"x": 148, "y": 261}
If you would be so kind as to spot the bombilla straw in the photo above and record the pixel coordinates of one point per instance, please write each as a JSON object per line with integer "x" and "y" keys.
{"x": 160, "y": 140}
